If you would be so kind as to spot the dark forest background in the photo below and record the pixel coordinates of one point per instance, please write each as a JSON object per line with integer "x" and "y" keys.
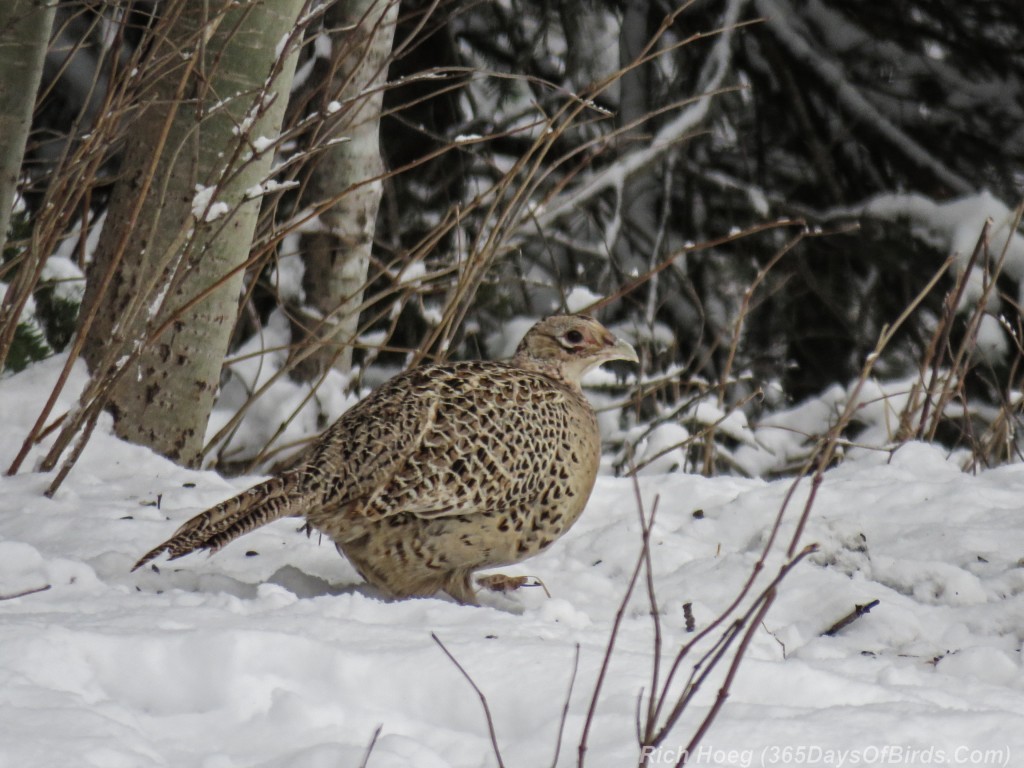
{"x": 751, "y": 191}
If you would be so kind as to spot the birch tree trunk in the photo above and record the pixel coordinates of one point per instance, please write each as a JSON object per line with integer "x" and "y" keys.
{"x": 24, "y": 33}
{"x": 337, "y": 256}
{"x": 167, "y": 273}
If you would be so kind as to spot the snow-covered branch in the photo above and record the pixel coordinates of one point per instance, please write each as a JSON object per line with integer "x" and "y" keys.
{"x": 953, "y": 226}
{"x": 776, "y": 13}
{"x": 710, "y": 80}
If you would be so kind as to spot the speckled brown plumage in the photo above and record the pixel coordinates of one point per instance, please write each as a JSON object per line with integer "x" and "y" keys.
{"x": 444, "y": 469}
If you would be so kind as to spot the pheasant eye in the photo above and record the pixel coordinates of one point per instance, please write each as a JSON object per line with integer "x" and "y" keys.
{"x": 574, "y": 337}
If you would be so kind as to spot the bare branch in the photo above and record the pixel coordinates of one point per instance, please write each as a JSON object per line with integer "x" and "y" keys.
{"x": 369, "y": 747}
{"x": 775, "y": 16}
{"x": 480, "y": 695}
{"x": 848, "y": 619}
{"x": 23, "y": 593}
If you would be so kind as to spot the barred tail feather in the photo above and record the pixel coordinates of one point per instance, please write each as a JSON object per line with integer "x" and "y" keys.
{"x": 230, "y": 519}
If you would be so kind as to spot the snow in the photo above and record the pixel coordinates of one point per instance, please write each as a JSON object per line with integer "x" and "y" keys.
{"x": 71, "y": 246}
{"x": 28, "y": 314}
{"x": 282, "y": 45}
{"x": 262, "y": 143}
{"x": 204, "y": 208}
{"x": 579, "y": 298}
{"x": 243, "y": 128}
{"x": 268, "y": 187}
{"x": 957, "y": 224}
{"x": 273, "y": 653}
{"x": 288, "y": 270}
{"x": 992, "y": 345}
{"x": 281, "y": 417}
{"x": 503, "y": 342}
{"x": 662, "y": 450}
{"x": 67, "y": 279}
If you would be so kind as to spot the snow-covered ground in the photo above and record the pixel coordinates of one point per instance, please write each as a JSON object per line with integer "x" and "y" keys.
{"x": 272, "y": 653}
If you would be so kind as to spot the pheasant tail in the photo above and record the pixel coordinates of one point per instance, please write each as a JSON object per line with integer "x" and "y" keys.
{"x": 222, "y": 524}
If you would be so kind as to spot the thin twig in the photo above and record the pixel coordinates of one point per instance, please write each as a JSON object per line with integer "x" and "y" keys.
{"x": 751, "y": 619}
{"x": 479, "y": 693}
{"x": 940, "y": 343}
{"x": 369, "y": 747}
{"x": 848, "y": 619}
{"x": 741, "y": 652}
{"x": 612, "y": 636}
{"x": 32, "y": 591}
{"x": 820, "y": 460}
{"x": 565, "y": 707}
{"x": 646, "y": 526}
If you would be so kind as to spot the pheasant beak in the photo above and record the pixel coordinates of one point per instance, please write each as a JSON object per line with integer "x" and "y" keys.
{"x": 617, "y": 349}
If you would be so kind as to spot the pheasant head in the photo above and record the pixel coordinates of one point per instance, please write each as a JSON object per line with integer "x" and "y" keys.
{"x": 567, "y": 346}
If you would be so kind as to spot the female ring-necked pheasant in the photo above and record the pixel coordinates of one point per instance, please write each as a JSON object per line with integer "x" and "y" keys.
{"x": 444, "y": 469}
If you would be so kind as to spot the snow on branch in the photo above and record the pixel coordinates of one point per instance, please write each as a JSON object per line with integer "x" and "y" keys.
{"x": 711, "y": 77}
{"x": 952, "y": 226}
{"x": 775, "y": 13}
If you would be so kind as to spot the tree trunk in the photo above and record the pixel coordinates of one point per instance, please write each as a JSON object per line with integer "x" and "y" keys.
{"x": 639, "y": 201}
{"x": 181, "y": 217}
{"x": 337, "y": 256}
{"x": 24, "y": 33}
